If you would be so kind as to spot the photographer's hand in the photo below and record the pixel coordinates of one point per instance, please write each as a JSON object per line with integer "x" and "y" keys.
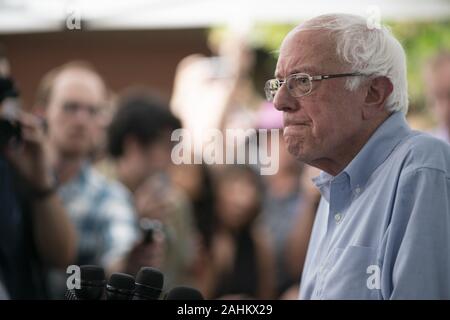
{"x": 29, "y": 156}
{"x": 55, "y": 234}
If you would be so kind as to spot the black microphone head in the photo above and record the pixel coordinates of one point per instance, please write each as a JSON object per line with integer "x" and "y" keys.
{"x": 70, "y": 295}
{"x": 120, "y": 287}
{"x": 151, "y": 277}
{"x": 121, "y": 281}
{"x": 184, "y": 293}
{"x": 92, "y": 283}
{"x": 91, "y": 273}
{"x": 149, "y": 283}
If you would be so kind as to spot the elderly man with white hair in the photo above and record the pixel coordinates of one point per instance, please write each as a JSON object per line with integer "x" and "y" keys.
{"x": 382, "y": 229}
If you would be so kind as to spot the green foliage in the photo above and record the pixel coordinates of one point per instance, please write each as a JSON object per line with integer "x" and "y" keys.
{"x": 421, "y": 41}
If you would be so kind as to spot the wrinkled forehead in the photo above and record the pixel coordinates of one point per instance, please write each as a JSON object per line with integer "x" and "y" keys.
{"x": 311, "y": 51}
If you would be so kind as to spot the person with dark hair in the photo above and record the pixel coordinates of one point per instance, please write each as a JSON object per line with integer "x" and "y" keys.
{"x": 196, "y": 182}
{"x": 139, "y": 137}
{"x": 242, "y": 259}
{"x": 139, "y": 142}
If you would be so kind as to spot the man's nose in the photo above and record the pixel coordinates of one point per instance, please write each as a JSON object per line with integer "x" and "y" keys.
{"x": 283, "y": 101}
{"x": 83, "y": 117}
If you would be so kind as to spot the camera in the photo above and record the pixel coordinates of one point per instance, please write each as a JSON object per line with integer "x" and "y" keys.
{"x": 10, "y": 128}
{"x": 148, "y": 228}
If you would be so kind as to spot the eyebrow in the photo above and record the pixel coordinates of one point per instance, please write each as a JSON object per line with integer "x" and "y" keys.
{"x": 304, "y": 69}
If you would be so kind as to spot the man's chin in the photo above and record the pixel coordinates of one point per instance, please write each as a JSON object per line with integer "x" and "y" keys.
{"x": 75, "y": 152}
{"x": 296, "y": 150}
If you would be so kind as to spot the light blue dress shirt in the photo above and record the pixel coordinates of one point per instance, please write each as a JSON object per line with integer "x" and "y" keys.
{"x": 382, "y": 228}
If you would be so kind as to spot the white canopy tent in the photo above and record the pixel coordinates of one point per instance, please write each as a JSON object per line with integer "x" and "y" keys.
{"x": 54, "y": 15}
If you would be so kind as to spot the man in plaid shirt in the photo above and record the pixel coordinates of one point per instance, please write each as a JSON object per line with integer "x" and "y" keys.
{"x": 72, "y": 98}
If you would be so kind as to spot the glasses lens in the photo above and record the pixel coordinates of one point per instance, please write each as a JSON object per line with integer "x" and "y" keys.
{"x": 299, "y": 85}
{"x": 271, "y": 89}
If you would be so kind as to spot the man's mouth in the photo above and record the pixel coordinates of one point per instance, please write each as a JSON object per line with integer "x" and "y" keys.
{"x": 294, "y": 127}
{"x": 76, "y": 135}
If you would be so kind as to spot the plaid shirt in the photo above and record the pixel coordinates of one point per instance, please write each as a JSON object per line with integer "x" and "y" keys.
{"x": 103, "y": 214}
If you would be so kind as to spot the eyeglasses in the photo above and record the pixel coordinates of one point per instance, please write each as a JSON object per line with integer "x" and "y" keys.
{"x": 72, "y": 107}
{"x": 298, "y": 84}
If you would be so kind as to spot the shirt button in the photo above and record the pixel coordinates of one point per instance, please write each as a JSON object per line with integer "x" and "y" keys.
{"x": 337, "y": 217}
{"x": 358, "y": 190}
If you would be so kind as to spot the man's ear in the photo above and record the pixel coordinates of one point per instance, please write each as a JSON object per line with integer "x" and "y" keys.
{"x": 378, "y": 90}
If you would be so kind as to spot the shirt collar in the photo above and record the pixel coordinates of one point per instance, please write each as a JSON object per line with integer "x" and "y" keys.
{"x": 376, "y": 150}
{"x": 80, "y": 178}
{"x": 322, "y": 182}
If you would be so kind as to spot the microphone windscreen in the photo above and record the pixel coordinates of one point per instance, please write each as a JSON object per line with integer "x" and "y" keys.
{"x": 150, "y": 277}
{"x": 120, "y": 287}
{"x": 184, "y": 293}
{"x": 121, "y": 281}
{"x": 91, "y": 273}
{"x": 92, "y": 283}
{"x": 149, "y": 283}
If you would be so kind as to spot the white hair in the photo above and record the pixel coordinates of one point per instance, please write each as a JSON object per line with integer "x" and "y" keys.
{"x": 369, "y": 51}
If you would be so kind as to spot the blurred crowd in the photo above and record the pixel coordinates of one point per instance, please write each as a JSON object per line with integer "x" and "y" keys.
{"x": 86, "y": 177}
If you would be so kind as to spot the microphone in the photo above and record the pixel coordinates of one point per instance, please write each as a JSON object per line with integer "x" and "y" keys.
{"x": 184, "y": 293}
{"x": 70, "y": 295}
{"x": 149, "y": 283}
{"x": 91, "y": 285}
{"x": 120, "y": 287}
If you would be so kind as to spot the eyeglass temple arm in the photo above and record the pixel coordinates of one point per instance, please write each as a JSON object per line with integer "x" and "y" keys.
{"x": 329, "y": 76}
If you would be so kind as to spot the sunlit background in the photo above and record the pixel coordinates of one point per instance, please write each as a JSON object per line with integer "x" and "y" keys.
{"x": 209, "y": 60}
{"x": 142, "y": 41}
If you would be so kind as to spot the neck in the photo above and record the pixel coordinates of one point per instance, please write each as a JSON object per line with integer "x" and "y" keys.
{"x": 126, "y": 175}
{"x": 66, "y": 167}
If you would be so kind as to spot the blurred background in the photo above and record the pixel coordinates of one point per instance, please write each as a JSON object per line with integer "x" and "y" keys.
{"x": 141, "y": 42}
{"x": 162, "y": 65}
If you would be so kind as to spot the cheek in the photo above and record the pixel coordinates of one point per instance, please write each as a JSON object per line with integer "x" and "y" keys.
{"x": 139, "y": 163}
{"x": 323, "y": 133}
{"x": 331, "y": 130}
{"x": 94, "y": 129}
{"x": 53, "y": 118}
{"x": 159, "y": 155}
{"x": 321, "y": 125}
{"x": 334, "y": 116}
{"x": 317, "y": 109}
{"x": 57, "y": 125}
